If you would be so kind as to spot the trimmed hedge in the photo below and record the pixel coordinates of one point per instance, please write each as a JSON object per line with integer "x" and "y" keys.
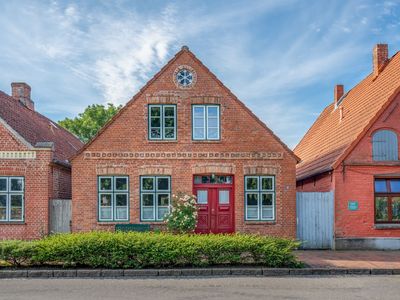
{"x": 149, "y": 250}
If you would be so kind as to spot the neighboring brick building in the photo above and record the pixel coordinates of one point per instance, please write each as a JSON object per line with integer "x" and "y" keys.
{"x": 34, "y": 165}
{"x": 185, "y": 131}
{"x": 352, "y": 149}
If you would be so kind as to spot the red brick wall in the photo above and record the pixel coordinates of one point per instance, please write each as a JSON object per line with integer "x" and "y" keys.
{"x": 61, "y": 182}
{"x": 320, "y": 183}
{"x": 240, "y": 132}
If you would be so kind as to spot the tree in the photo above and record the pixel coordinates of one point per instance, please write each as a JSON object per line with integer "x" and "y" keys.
{"x": 88, "y": 123}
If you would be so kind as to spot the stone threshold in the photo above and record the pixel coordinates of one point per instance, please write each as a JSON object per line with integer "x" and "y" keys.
{"x": 200, "y": 272}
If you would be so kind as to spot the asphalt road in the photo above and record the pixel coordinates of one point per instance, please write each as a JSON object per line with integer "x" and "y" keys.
{"x": 361, "y": 287}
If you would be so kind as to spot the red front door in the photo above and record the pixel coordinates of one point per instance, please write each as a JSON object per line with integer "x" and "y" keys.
{"x": 216, "y": 210}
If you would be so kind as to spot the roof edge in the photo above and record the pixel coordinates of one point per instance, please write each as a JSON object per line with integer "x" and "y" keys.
{"x": 16, "y": 134}
{"x": 319, "y": 172}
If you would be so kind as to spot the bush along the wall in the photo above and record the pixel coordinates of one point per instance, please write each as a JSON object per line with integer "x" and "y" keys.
{"x": 183, "y": 215}
{"x": 150, "y": 250}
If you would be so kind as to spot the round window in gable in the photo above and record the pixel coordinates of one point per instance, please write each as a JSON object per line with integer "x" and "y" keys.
{"x": 185, "y": 77}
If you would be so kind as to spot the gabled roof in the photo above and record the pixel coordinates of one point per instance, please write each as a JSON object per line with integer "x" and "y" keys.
{"x": 331, "y": 138}
{"x": 38, "y": 130}
{"x": 142, "y": 90}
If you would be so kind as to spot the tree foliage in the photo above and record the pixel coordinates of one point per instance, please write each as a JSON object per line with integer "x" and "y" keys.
{"x": 88, "y": 123}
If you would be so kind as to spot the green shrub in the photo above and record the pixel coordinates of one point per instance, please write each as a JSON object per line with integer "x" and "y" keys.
{"x": 183, "y": 215}
{"x": 150, "y": 250}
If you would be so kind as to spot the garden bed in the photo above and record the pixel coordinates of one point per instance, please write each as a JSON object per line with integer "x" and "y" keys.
{"x": 123, "y": 250}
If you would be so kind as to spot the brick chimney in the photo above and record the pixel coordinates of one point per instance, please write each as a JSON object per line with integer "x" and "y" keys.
{"x": 21, "y": 92}
{"x": 380, "y": 57}
{"x": 338, "y": 93}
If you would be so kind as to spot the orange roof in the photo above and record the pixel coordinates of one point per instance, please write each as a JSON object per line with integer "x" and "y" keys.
{"x": 331, "y": 138}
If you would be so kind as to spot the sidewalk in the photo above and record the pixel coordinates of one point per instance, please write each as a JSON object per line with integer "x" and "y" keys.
{"x": 350, "y": 259}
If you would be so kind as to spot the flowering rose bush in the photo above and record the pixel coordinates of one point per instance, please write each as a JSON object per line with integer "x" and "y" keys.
{"x": 182, "y": 217}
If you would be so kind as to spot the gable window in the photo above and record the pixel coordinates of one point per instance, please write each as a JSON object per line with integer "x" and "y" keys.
{"x": 384, "y": 146}
{"x": 206, "y": 122}
{"x": 387, "y": 200}
{"x": 113, "y": 198}
{"x": 12, "y": 199}
{"x": 259, "y": 198}
{"x": 155, "y": 194}
{"x": 162, "y": 122}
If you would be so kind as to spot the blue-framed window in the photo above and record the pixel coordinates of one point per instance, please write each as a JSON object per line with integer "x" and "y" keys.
{"x": 206, "y": 122}
{"x": 12, "y": 199}
{"x": 259, "y": 198}
{"x": 113, "y": 198}
{"x": 155, "y": 197}
{"x": 162, "y": 122}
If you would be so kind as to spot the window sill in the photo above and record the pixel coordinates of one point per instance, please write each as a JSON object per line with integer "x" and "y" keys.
{"x": 260, "y": 222}
{"x": 162, "y": 141}
{"x": 206, "y": 141}
{"x": 12, "y": 223}
{"x": 387, "y": 226}
{"x": 111, "y": 222}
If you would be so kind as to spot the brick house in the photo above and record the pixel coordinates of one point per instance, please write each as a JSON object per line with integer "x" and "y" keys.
{"x": 34, "y": 165}
{"x": 352, "y": 149}
{"x": 185, "y": 131}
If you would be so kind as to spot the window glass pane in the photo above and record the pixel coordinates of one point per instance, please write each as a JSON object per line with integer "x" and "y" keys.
{"x": 106, "y": 184}
{"x": 223, "y": 197}
{"x": 198, "y": 111}
{"x": 212, "y": 111}
{"x": 380, "y": 186}
{"x": 202, "y": 197}
{"x": 169, "y": 133}
{"x": 155, "y": 122}
{"x": 197, "y": 179}
{"x": 147, "y": 184}
{"x": 198, "y": 133}
{"x": 396, "y": 209}
{"x": 163, "y": 200}
{"x": 212, "y": 133}
{"x": 3, "y": 207}
{"x": 267, "y": 183}
{"x": 121, "y": 200}
{"x": 252, "y": 213}
{"x": 395, "y": 185}
{"x": 155, "y": 133}
{"x": 105, "y": 213}
{"x": 169, "y": 122}
{"x": 161, "y": 212}
{"x": 155, "y": 111}
{"x": 251, "y": 183}
{"x": 162, "y": 183}
{"x": 267, "y": 199}
{"x": 121, "y": 183}
{"x": 381, "y": 208}
{"x": 169, "y": 111}
{"x": 148, "y": 213}
{"x": 212, "y": 122}
{"x": 148, "y": 199}
{"x": 3, "y": 184}
{"x": 105, "y": 200}
{"x": 252, "y": 199}
{"x": 121, "y": 213}
{"x": 16, "y": 184}
{"x": 199, "y": 123}
{"x": 16, "y": 207}
{"x": 267, "y": 213}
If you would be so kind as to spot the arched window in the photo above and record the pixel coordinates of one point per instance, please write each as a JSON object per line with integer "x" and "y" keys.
{"x": 384, "y": 145}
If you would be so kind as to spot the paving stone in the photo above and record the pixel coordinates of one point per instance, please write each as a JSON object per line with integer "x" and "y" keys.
{"x": 246, "y": 271}
{"x": 169, "y": 272}
{"x": 88, "y": 273}
{"x": 196, "y": 272}
{"x": 112, "y": 273}
{"x": 140, "y": 272}
{"x": 276, "y": 271}
{"x": 64, "y": 273}
{"x": 221, "y": 271}
{"x": 13, "y": 273}
{"x": 358, "y": 271}
{"x": 40, "y": 273}
{"x": 381, "y": 271}
{"x": 305, "y": 271}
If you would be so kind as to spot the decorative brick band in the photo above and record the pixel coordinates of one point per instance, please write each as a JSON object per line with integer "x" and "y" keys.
{"x": 218, "y": 168}
{"x": 110, "y": 169}
{"x": 17, "y": 154}
{"x": 253, "y": 170}
{"x": 152, "y": 170}
{"x": 183, "y": 155}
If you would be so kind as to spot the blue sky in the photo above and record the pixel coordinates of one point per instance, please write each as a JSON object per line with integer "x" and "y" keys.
{"x": 282, "y": 58}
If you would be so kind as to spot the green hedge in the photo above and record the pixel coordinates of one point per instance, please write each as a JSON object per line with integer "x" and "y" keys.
{"x": 149, "y": 250}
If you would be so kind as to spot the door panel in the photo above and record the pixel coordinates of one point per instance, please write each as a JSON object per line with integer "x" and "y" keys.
{"x": 203, "y": 221}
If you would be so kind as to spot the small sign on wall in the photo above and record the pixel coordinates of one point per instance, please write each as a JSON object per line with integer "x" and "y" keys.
{"x": 352, "y": 205}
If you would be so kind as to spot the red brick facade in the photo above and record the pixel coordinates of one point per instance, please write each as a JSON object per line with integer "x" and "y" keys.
{"x": 246, "y": 147}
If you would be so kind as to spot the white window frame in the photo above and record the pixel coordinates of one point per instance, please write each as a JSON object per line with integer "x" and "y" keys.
{"x": 205, "y": 127}
{"x": 155, "y": 192}
{"x": 8, "y": 193}
{"x": 113, "y": 192}
{"x": 259, "y": 191}
{"x": 162, "y": 121}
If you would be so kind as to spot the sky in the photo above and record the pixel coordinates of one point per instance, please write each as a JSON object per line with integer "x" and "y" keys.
{"x": 282, "y": 58}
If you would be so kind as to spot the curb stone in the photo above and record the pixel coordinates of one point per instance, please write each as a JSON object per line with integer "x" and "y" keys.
{"x": 200, "y": 272}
